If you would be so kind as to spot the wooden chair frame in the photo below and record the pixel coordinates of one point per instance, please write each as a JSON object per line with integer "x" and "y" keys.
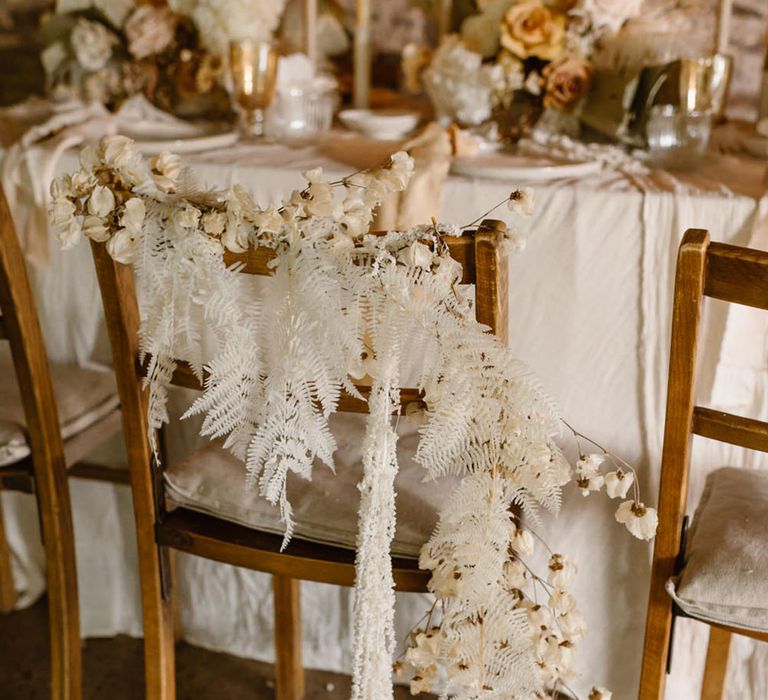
{"x": 731, "y": 274}
{"x": 158, "y": 531}
{"x": 45, "y": 471}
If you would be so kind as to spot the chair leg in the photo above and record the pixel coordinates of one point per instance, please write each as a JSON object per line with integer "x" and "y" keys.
{"x": 289, "y": 672}
{"x": 717, "y": 664}
{"x": 7, "y": 589}
{"x": 658, "y": 628}
{"x": 157, "y": 599}
{"x": 61, "y": 573}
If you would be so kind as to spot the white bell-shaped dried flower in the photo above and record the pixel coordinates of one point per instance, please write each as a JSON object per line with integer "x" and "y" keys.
{"x": 515, "y": 574}
{"x": 562, "y": 601}
{"x": 188, "y": 216}
{"x": 561, "y": 571}
{"x": 521, "y": 202}
{"x": 119, "y": 152}
{"x": 589, "y": 465}
{"x": 514, "y": 241}
{"x": 101, "y": 202}
{"x": 89, "y": 157}
{"x": 618, "y": 483}
{"x": 522, "y": 542}
{"x": 269, "y": 221}
{"x": 132, "y": 218}
{"x": 122, "y": 246}
{"x": 424, "y": 681}
{"x": 587, "y": 484}
{"x": 425, "y": 650}
{"x": 166, "y": 169}
{"x": 540, "y": 617}
{"x": 398, "y": 172}
{"x": 70, "y": 233}
{"x": 640, "y": 521}
{"x": 560, "y": 468}
{"x": 572, "y": 625}
{"x": 62, "y": 212}
{"x": 61, "y": 187}
{"x": 82, "y": 183}
{"x": 600, "y": 693}
{"x": 96, "y": 229}
{"x": 417, "y": 255}
{"x": 213, "y": 222}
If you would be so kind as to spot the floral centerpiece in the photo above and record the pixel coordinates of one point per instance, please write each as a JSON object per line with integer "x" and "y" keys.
{"x": 343, "y": 304}
{"x": 513, "y": 59}
{"x": 173, "y": 52}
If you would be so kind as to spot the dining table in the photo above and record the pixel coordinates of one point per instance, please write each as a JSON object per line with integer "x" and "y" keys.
{"x": 590, "y": 302}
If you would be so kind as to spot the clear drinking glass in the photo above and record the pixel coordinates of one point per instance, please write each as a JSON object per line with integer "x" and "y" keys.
{"x": 676, "y": 137}
{"x": 253, "y": 65}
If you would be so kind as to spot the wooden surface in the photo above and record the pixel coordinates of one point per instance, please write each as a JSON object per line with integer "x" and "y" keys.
{"x": 737, "y": 275}
{"x": 673, "y": 491}
{"x": 42, "y": 421}
{"x": 716, "y": 666}
{"x": 734, "y": 275}
{"x": 735, "y": 430}
{"x": 7, "y": 589}
{"x": 217, "y": 539}
{"x": 289, "y": 674}
{"x": 122, "y": 317}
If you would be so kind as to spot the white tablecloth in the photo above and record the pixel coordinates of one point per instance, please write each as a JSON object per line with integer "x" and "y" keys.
{"x": 590, "y": 304}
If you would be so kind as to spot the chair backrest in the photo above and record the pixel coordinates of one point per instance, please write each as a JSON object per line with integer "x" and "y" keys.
{"x": 19, "y": 326}
{"x": 480, "y": 252}
{"x": 731, "y": 274}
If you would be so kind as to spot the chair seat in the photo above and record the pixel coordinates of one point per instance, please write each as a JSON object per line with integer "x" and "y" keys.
{"x": 212, "y": 481}
{"x": 83, "y": 396}
{"x": 725, "y": 578}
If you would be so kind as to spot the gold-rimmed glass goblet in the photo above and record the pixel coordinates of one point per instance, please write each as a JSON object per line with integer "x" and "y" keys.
{"x": 253, "y": 65}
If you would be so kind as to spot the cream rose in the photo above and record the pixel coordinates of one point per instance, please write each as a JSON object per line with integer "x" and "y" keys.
{"x": 566, "y": 82}
{"x": 530, "y": 29}
{"x": 92, "y": 43}
{"x": 150, "y": 30}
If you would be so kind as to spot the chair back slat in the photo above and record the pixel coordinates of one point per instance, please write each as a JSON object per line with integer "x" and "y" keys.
{"x": 19, "y": 325}
{"x": 3, "y": 332}
{"x": 255, "y": 260}
{"x": 737, "y": 275}
{"x": 735, "y": 430}
{"x": 484, "y": 265}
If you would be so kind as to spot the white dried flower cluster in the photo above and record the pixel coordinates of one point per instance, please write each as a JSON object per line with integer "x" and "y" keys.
{"x": 459, "y": 84}
{"x": 344, "y": 303}
{"x": 640, "y": 520}
{"x": 222, "y": 21}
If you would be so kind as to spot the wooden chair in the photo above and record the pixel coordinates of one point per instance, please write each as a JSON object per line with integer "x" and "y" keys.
{"x": 86, "y": 411}
{"x": 207, "y": 534}
{"x": 740, "y": 276}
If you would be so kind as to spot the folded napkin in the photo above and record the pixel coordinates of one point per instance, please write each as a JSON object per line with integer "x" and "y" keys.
{"x": 432, "y": 150}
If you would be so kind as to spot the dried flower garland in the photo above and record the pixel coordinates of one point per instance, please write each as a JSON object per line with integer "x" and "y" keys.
{"x": 343, "y": 304}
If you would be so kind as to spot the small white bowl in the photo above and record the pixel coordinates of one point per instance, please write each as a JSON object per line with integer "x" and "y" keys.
{"x": 382, "y": 125}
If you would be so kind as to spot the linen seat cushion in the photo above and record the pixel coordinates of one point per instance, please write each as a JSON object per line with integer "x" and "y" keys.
{"x": 83, "y": 396}
{"x": 725, "y": 578}
{"x": 212, "y": 481}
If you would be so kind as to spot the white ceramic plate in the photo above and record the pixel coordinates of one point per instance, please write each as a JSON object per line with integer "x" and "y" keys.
{"x": 507, "y": 166}
{"x": 193, "y": 144}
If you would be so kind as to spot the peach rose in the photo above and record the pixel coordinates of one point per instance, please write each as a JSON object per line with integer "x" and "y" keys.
{"x": 566, "y": 81}
{"x": 530, "y": 29}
